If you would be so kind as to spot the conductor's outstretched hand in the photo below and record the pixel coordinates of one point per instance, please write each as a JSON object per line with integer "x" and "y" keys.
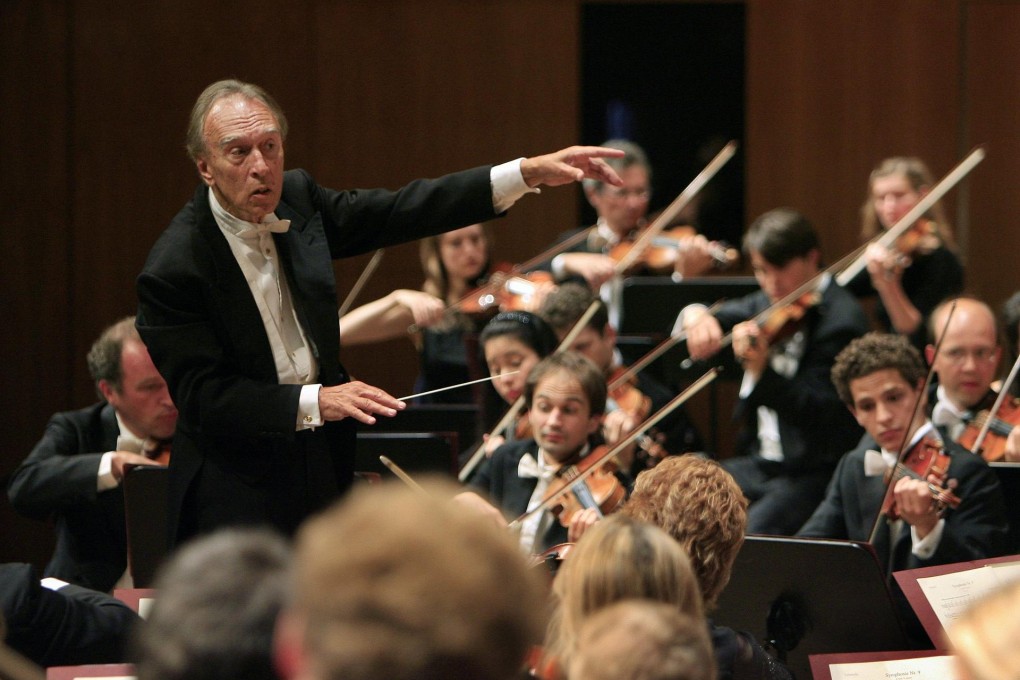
{"x": 571, "y": 165}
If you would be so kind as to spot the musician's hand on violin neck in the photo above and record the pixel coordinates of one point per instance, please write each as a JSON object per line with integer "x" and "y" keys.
{"x": 885, "y": 265}
{"x": 693, "y": 256}
{"x": 915, "y": 505}
{"x": 1011, "y": 451}
{"x": 581, "y": 522}
{"x": 750, "y": 347}
{"x": 703, "y": 333}
{"x": 616, "y": 426}
{"x": 357, "y": 400}
{"x": 492, "y": 442}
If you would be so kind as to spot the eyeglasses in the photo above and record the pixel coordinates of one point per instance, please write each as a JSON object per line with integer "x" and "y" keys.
{"x": 957, "y": 355}
{"x": 619, "y": 192}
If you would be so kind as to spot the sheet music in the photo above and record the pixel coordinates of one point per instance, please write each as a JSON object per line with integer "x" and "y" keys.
{"x": 927, "y": 668}
{"x": 951, "y": 594}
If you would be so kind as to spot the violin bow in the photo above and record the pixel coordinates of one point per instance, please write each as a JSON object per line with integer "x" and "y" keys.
{"x": 402, "y": 476}
{"x": 366, "y": 273}
{"x": 671, "y": 211}
{"x": 479, "y": 455}
{"x": 663, "y": 347}
{"x": 907, "y": 433}
{"x": 649, "y": 422}
{"x": 808, "y": 286}
{"x": 889, "y": 237}
{"x": 1003, "y": 392}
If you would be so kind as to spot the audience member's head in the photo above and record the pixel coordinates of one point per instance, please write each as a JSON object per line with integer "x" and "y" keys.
{"x": 216, "y": 607}
{"x": 986, "y": 638}
{"x": 393, "y": 583}
{"x": 620, "y": 558}
{"x": 643, "y": 640}
{"x": 700, "y": 505}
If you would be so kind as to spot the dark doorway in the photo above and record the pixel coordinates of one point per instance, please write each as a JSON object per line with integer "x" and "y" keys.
{"x": 671, "y": 78}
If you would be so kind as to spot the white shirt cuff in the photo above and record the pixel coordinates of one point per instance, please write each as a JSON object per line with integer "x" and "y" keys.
{"x": 52, "y": 583}
{"x": 105, "y": 479}
{"x": 925, "y": 547}
{"x": 508, "y": 185}
{"x": 559, "y": 267}
{"x": 308, "y": 416}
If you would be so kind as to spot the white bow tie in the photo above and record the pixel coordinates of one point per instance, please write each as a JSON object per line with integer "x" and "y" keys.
{"x": 944, "y": 415}
{"x": 875, "y": 464}
{"x": 257, "y": 230}
{"x": 529, "y": 468}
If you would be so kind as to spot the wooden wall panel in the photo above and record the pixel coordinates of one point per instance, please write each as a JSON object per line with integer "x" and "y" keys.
{"x": 34, "y": 244}
{"x": 409, "y": 93}
{"x": 993, "y": 102}
{"x": 834, "y": 87}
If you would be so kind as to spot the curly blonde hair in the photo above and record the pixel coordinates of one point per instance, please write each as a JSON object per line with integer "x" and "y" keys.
{"x": 700, "y": 505}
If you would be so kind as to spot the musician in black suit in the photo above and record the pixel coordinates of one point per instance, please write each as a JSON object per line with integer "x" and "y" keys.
{"x": 881, "y": 379}
{"x": 73, "y": 473}
{"x": 60, "y": 624}
{"x": 238, "y": 305}
{"x": 565, "y": 396}
{"x": 795, "y": 427}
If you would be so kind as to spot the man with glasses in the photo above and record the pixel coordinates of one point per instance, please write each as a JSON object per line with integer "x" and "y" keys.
{"x": 966, "y": 364}
{"x": 622, "y": 212}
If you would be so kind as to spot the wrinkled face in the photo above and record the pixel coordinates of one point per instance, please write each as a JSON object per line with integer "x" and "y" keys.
{"x": 969, "y": 354}
{"x": 893, "y": 197}
{"x": 883, "y": 404}
{"x": 243, "y": 158}
{"x": 464, "y": 252}
{"x": 505, "y": 354}
{"x": 778, "y": 282}
{"x": 596, "y": 346}
{"x": 623, "y": 207}
{"x": 142, "y": 401}
{"x": 560, "y": 415}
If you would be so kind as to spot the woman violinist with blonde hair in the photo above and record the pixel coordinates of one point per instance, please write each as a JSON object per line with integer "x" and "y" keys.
{"x": 454, "y": 263}
{"x": 923, "y": 268}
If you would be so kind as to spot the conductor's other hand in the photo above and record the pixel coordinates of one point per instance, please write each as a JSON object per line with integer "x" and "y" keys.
{"x": 571, "y": 165}
{"x": 356, "y": 400}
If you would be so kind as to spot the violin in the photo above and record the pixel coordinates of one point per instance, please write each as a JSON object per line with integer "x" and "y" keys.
{"x": 921, "y": 237}
{"x": 926, "y": 459}
{"x": 624, "y": 394}
{"x": 599, "y": 489}
{"x": 659, "y": 255}
{"x": 782, "y": 321}
{"x": 999, "y": 426}
{"x": 504, "y": 292}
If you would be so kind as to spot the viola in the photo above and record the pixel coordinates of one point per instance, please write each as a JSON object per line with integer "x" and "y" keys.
{"x": 999, "y": 426}
{"x": 659, "y": 255}
{"x": 599, "y": 489}
{"x": 926, "y": 461}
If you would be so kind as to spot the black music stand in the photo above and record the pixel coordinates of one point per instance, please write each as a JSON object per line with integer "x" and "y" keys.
{"x": 145, "y": 510}
{"x": 806, "y": 596}
{"x": 1009, "y": 478}
{"x": 650, "y": 304}
{"x": 414, "y": 452}
{"x": 463, "y": 419}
